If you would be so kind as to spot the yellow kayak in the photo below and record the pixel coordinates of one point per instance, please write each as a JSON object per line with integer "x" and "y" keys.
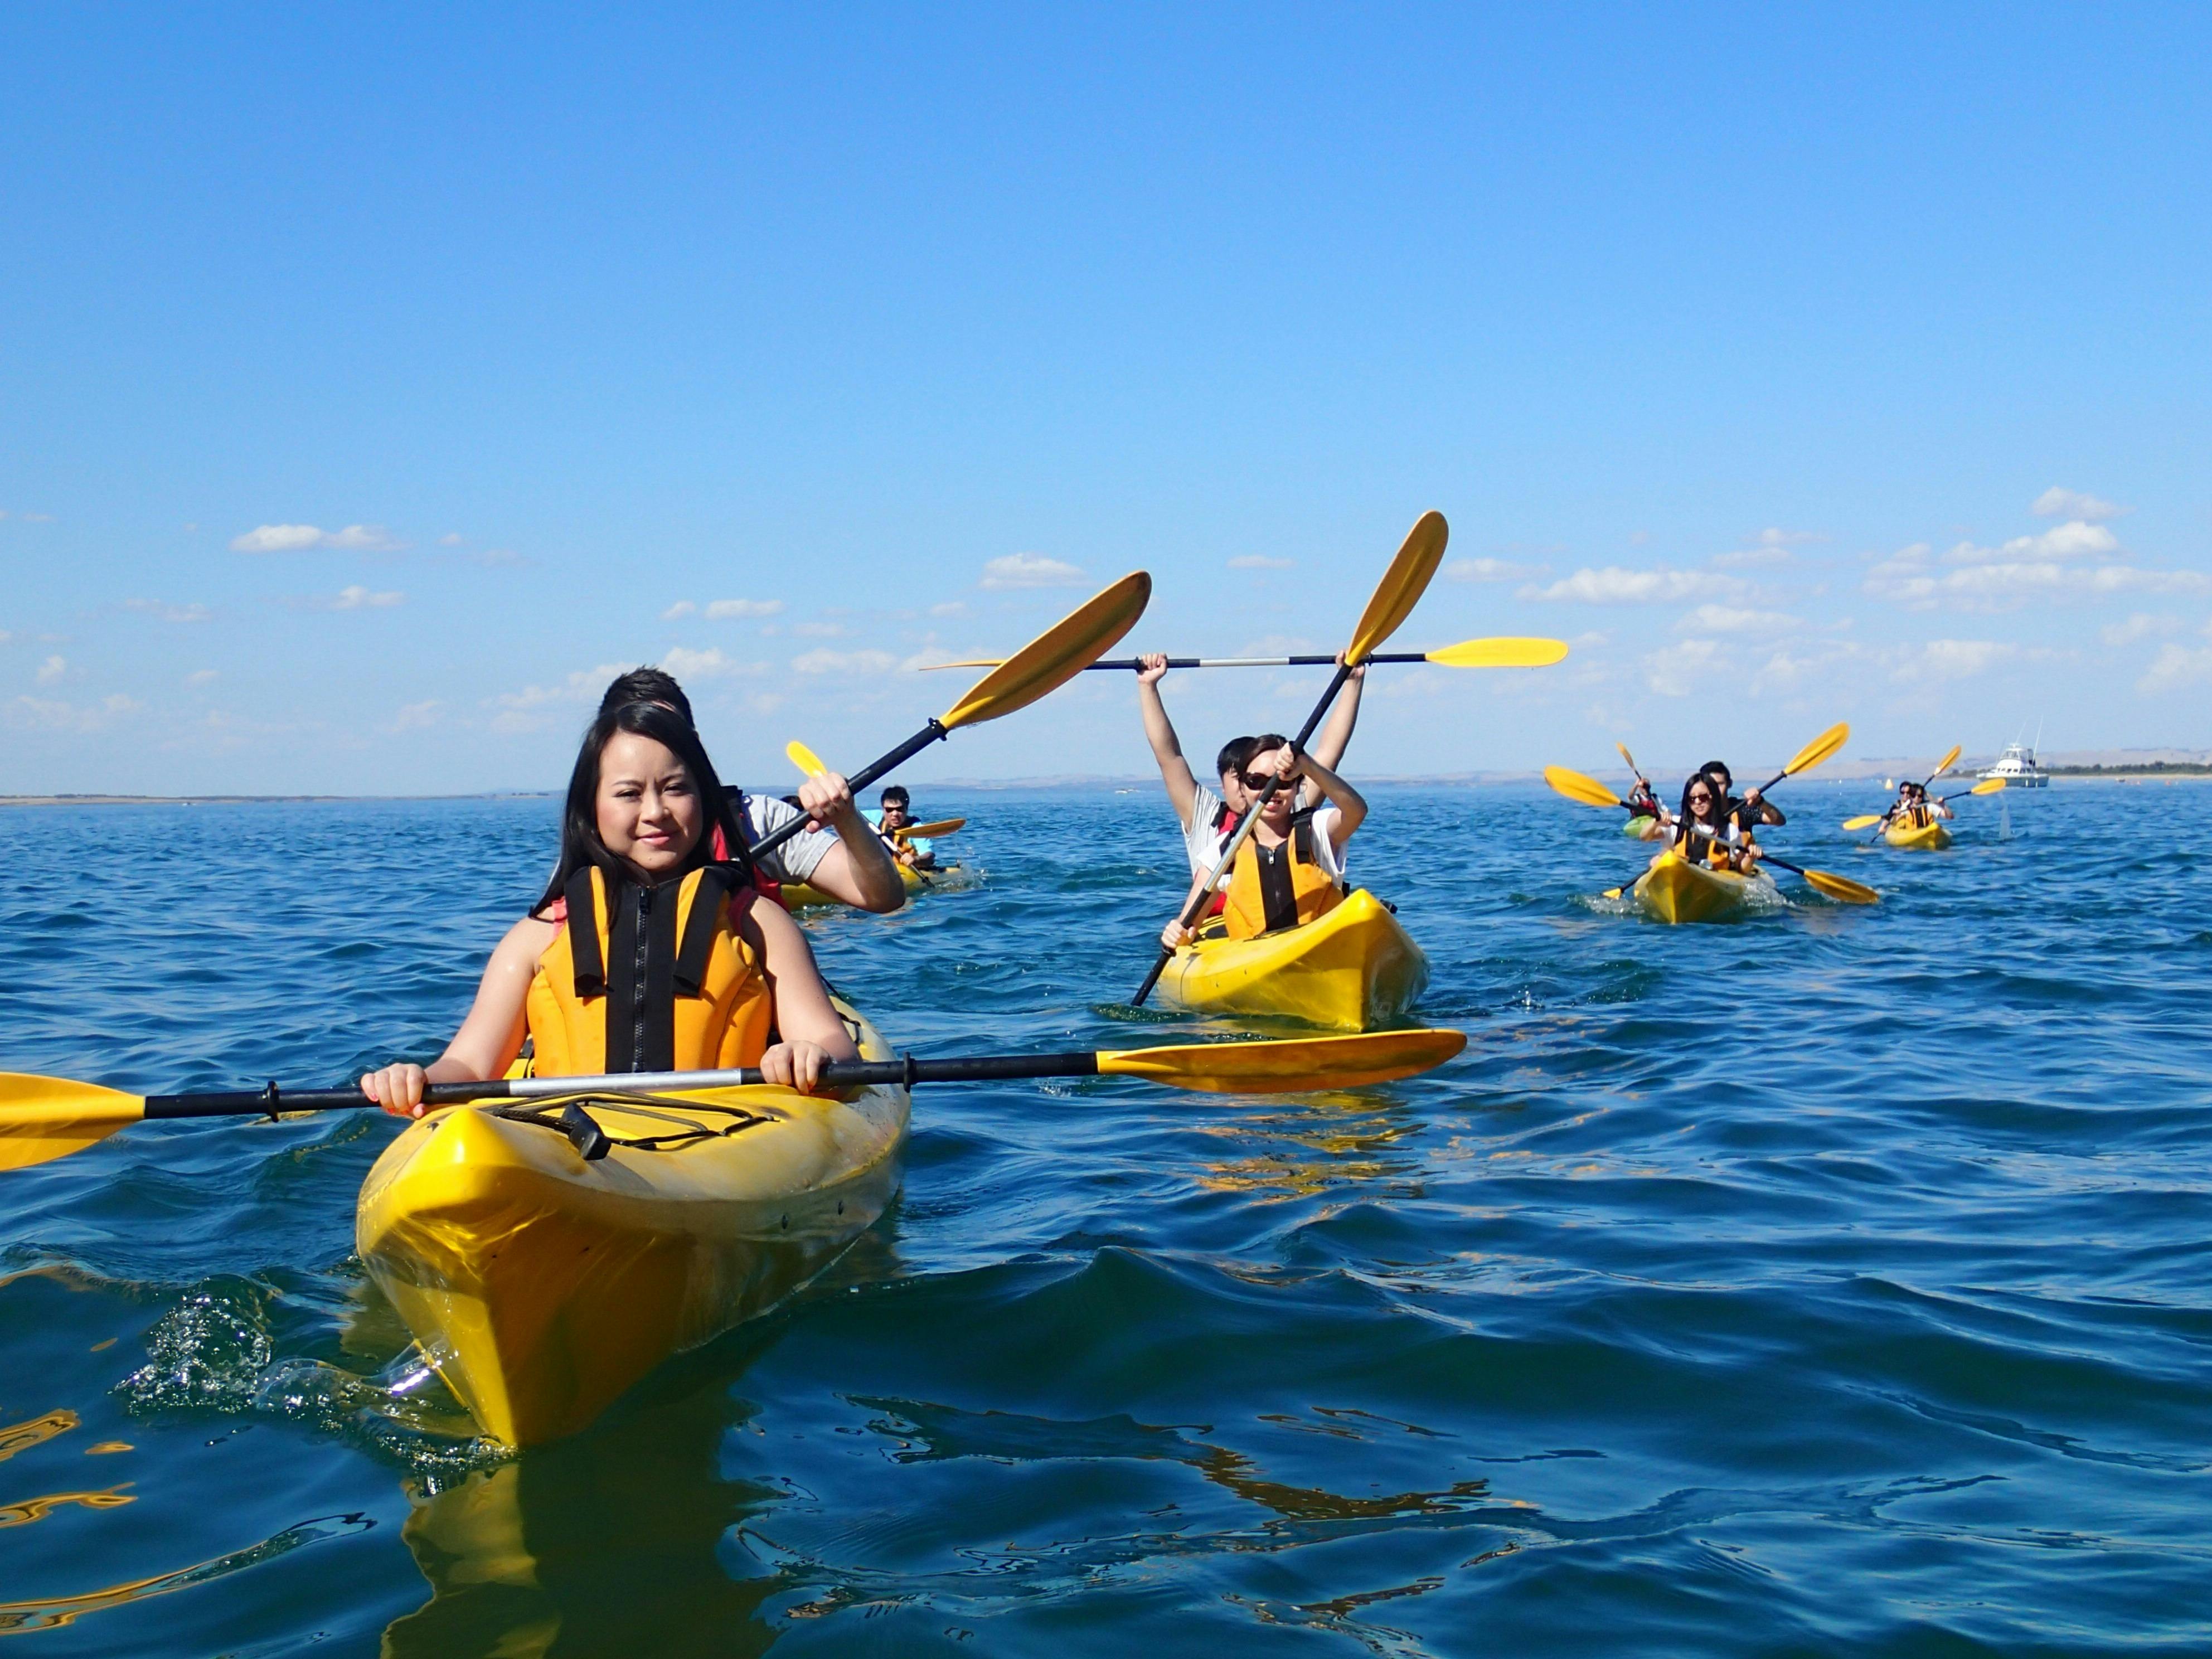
{"x": 799, "y": 895}
{"x": 1674, "y": 890}
{"x": 542, "y": 1286}
{"x": 1355, "y": 969}
{"x": 1931, "y": 837}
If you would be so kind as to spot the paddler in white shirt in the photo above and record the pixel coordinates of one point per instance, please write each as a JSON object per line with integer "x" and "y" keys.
{"x": 1290, "y": 869}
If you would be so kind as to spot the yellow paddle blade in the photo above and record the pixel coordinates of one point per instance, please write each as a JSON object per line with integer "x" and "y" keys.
{"x": 43, "y": 1118}
{"x": 1402, "y": 586}
{"x": 805, "y": 759}
{"x": 1841, "y": 887}
{"x": 973, "y": 662}
{"x": 1944, "y": 765}
{"x": 1056, "y": 656}
{"x": 1612, "y": 893}
{"x": 1577, "y": 786}
{"x": 930, "y": 831}
{"x": 1864, "y": 821}
{"x": 1500, "y": 654}
{"x": 1291, "y": 1066}
{"x": 1987, "y": 786}
{"x": 1819, "y": 749}
{"x": 1630, "y": 759}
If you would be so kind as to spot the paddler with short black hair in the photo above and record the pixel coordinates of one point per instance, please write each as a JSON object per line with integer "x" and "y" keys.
{"x": 896, "y": 814}
{"x": 1208, "y": 819}
{"x": 1750, "y": 812}
{"x": 1290, "y": 870}
{"x": 645, "y": 953}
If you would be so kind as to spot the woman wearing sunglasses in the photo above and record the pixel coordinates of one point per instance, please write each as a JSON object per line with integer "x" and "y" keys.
{"x": 1290, "y": 870}
{"x": 1702, "y": 831}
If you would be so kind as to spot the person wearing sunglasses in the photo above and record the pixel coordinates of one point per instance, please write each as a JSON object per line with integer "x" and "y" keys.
{"x": 895, "y": 814}
{"x": 1703, "y": 832}
{"x": 1748, "y": 813}
{"x": 1207, "y": 819}
{"x": 1290, "y": 870}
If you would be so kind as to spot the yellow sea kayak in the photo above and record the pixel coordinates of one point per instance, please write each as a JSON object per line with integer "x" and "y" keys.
{"x": 542, "y": 1286}
{"x": 1930, "y": 837}
{"x": 1355, "y": 969}
{"x": 799, "y": 895}
{"x": 1674, "y": 890}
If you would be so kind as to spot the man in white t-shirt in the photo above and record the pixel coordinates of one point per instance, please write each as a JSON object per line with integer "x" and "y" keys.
{"x": 1290, "y": 869}
{"x": 1207, "y": 819}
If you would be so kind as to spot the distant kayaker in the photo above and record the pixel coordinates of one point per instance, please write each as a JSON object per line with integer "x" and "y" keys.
{"x": 837, "y": 853}
{"x": 1290, "y": 870}
{"x": 1703, "y": 832}
{"x": 1207, "y": 819}
{"x": 1748, "y": 813}
{"x": 1914, "y": 808}
{"x": 896, "y": 814}
{"x": 644, "y": 954}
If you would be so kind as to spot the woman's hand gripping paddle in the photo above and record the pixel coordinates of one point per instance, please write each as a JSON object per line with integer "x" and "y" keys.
{"x": 1588, "y": 791}
{"x": 1393, "y": 600}
{"x": 1499, "y": 653}
{"x": 43, "y": 1118}
{"x": 1044, "y": 665}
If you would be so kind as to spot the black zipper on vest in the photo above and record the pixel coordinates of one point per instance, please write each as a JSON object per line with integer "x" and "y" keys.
{"x": 638, "y": 979}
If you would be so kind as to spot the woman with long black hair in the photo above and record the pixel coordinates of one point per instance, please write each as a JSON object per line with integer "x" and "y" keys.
{"x": 645, "y": 954}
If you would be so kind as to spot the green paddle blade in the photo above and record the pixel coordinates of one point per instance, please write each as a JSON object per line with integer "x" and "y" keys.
{"x": 1580, "y": 787}
{"x": 1291, "y": 1066}
{"x": 1056, "y": 656}
{"x": 49, "y": 1117}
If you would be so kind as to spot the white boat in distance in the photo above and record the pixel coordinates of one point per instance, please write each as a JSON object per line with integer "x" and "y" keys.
{"x": 2017, "y": 767}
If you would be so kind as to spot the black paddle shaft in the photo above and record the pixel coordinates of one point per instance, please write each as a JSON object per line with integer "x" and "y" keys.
{"x": 905, "y": 1070}
{"x": 1125, "y": 664}
{"x": 935, "y": 732}
{"x": 1251, "y": 817}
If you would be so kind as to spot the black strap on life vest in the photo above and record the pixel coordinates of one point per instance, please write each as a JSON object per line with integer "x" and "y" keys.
{"x": 715, "y": 884}
{"x": 591, "y": 973}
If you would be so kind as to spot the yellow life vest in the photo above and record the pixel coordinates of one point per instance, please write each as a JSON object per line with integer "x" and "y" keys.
{"x": 1274, "y": 888}
{"x": 658, "y": 980}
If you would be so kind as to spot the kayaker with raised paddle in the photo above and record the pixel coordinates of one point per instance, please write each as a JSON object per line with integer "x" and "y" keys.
{"x": 1290, "y": 870}
{"x": 837, "y": 853}
{"x": 1747, "y": 813}
{"x": 1702, "y": 833}
{"x": 645, "y": 953}
{"x": 1207, "y": 819}
{"x": 1914, "y": 810}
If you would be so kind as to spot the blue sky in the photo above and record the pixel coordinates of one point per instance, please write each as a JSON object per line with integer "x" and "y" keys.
{"x": 373, "y": 382}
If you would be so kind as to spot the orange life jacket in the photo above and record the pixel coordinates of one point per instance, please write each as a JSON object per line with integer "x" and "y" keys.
{"x": 1272, "y": 888}
{"x": 659, "y": 978}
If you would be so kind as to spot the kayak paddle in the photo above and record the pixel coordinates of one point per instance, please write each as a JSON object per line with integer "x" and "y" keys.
{"x": 43, "y": 1118}
{"x": 1400, "y": 590}
{"x": 1499, "y": 653}
{"x": 1579, "y": 787}
{"x": 936, "y": 831}
{"x": 813, "y": 765}
{"x": 1986, "y": 787}
{"x": 1045, "y": 664}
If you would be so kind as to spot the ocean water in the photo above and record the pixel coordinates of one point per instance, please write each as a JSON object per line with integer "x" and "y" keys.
{"x": 1835, "y": 1281}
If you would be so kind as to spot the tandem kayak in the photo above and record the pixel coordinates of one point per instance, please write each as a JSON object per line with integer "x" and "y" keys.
{"x": 799, "y": 895}
{"x": 1928, "y": 838}
{"x": 1355, "y": 969}
{"x": 1674, "y": 891}
{"x": 541, "y": 1287}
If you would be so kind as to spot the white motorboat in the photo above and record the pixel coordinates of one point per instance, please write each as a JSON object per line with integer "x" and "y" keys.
{"x": 2017, "y": 767}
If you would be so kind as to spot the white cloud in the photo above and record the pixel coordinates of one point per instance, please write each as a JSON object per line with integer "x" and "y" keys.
{"x": 1680, "y": 670}
{"x": 681, "y": 608}
{"x": 1615, "y": 586}
{"x": 452, "y": 538}
{"x": 296, "y": 537}
{"x": 949, "y": 608}
{"x": 2057, "y": 503}
{"x": 1951, "y": 659}
{"x": 175, "y": 613}
{"x": 2174, "y": 668}
{"x": 201, "y": 676}
{"x": 1261, "y": 561}
{"x": 2071, "y": 560}
{"x": 826, "y": 661}
{"x": 819, "y": 630}
{"x": 1727, "y": 619}
{"x": 414, "y": 716}
{"x": 724, "y": 609}
{"x": 708, "y": 665}
{"x": 49, "y": 714}
{"x": 2140, "y": 626}
{"x": 585, "y": 685}
{"x": 353, "y": 596}
{"x": 1491, "y": 570}
{"x": 51, "y": 670}
{"x": 1029, "y": 570}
